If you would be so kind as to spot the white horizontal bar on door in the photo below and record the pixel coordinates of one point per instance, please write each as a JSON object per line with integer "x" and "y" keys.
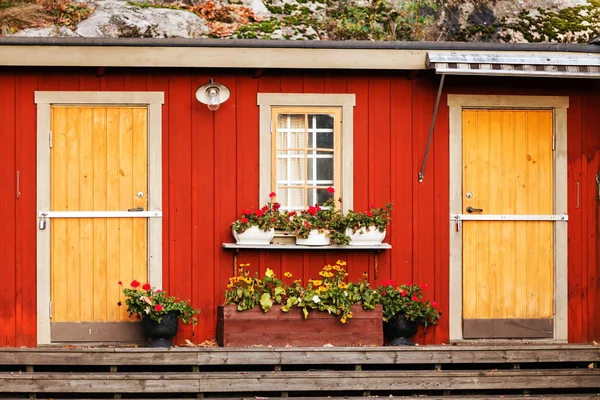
{"x": 99, "y": 214}
{"x": 508, "y": 217}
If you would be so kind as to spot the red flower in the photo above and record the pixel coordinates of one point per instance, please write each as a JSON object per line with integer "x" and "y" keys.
{"x": 273, "y": 219}
{"x": 414, "y": 298}
{"x": 371, "y": 205}
{"x": 403, "y": 293}
{"x": 276, "y": 206}
{"x": 135, "y": 284}
{"x": 424, "y": 286}
{"x": 146, "y": 286}
{"x": 384, "y": 293}
{"x": 307, "y": 224}
{"x": 120, "y": 283}
{"x": 264, "y": 208}
{"x": 433, "y": 303}
{"x": 312, "y": 210}
{"x": 244, "y": 220}
{"x": 259, "y": 213}
{"x": 369, "y": 213}
{"x": 158, "y": 290}
{"x": 158, "y": 307}
{"x": 292, "y": 213}
{"x": 272, "y": 194}
{"x": 389, "y": 282}
{"x": 331, "y": 190}
{"x": 247, "y": 211}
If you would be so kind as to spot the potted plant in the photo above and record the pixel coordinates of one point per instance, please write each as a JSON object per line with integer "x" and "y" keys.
{"x": 403, "y": 310}
{"x": 369, "y": 227}
{"x": 317, "y": 225}
{"x": 257, "y": 227}
{"x": 160, "y": 313}
{"x": 270, "y": 311}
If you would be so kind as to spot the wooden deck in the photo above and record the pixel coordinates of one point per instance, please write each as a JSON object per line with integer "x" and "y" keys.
{"x": 566, "y": 371}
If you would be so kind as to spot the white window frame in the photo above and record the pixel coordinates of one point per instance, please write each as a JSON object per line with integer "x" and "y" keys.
{"x": 45, "y": 101}
{"x": 266, "y": 102}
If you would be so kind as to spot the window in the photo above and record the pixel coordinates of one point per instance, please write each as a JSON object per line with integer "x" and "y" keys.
{"x": 306, "y": 147}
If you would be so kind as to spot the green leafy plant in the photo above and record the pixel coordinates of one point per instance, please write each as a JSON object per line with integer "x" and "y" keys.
{"x": 407, "y": 300}
{"x": 146, "y": 301}
{"x": 248, "y": 292}
{"x": 326, "y": 218}
{"x": 331, "y": 293}
{"x": 377, "y": 217}
{"x": 267, "y": 217}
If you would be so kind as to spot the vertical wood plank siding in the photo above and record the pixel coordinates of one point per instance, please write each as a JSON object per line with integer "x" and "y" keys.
{"x": 211, "y": 172}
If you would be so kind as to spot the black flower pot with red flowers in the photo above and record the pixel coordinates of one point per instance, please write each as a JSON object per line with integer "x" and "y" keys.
{"x": 160, "y": 333}
{"x": 398, "y": 330}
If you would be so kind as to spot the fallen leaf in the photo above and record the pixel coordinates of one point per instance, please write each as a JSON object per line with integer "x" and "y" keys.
{"x": 327, "y": 345}
{"x": 591, "y": 365}
{"x": 595, "y": 343}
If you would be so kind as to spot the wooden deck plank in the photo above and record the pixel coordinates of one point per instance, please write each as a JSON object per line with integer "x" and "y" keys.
{"x": 298, "y": 381}
{"x": 286, "y": 356}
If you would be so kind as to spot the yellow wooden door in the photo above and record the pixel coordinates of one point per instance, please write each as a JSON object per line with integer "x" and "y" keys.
{"x": 508, "y": 284}
{"x": 99, "y": 164}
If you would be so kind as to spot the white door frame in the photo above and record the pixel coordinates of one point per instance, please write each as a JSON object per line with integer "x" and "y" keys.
{"x": 559, "y": 106}
{"x": 44, "y": 101}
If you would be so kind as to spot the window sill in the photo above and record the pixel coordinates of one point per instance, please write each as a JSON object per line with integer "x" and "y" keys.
{"x": 383, "y": 246}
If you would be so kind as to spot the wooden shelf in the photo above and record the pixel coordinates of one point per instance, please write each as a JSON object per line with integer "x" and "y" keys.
{"x": 269, "y": 247}
{"x": 383, "y": 246}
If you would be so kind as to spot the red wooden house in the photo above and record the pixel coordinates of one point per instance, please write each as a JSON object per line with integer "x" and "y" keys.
{"x": 111, "y": 170}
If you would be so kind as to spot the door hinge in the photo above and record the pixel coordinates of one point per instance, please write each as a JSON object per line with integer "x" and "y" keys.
{"x": 50, "y": 309}
{"x": 271, "y": 127}
{"x": 50, "y": 139}
{"x": 553, "y": 142}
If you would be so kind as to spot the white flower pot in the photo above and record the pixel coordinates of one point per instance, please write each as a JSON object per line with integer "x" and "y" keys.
{"x": 254, "y": 236}
{"x": 365, "y": 237}
{"x": 315, "y": 238}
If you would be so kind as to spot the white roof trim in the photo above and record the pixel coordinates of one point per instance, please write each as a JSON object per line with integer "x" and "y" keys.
{"x": 556, "y": 65}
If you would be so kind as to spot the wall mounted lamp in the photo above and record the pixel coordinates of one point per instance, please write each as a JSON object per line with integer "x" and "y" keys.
{"x": 212, "y": 94}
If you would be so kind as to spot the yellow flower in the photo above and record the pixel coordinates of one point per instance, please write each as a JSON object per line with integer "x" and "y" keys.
{"x": 343, "y": 320}
{"x": 269, "y": 273}
{"x": 322, "y": 289}
{"x": 322, "y": 273}
{"x": 315, "y": 282}
{"x": 287, "y": 274}
{"x": 342, "y": 285}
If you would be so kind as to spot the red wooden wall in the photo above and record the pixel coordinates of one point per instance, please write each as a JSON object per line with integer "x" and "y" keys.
{"x": 210, "y": 173}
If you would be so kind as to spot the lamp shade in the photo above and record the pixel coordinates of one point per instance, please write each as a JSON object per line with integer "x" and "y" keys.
{"x": 212, "y": 94}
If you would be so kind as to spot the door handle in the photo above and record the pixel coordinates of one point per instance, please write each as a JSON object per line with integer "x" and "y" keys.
{"x": 472, "y": 210}
{"x": 138, "y": 208}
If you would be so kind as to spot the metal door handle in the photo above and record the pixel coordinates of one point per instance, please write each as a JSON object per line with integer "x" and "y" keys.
{"x": 472, "y": 210}
{"x": 138, "y": 208}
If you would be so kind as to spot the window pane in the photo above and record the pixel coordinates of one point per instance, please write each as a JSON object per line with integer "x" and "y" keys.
{"x": 320, "y": 121}
{"x": 318, "y": 196}
{"x": 290, "y": 131}
{"x": 291, "y": 167}
{"x": 290, "y": 199}
{"x": 325, "y": 169}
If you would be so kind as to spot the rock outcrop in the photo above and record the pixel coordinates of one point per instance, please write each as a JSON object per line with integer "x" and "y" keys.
{"x": 435, "y": 20}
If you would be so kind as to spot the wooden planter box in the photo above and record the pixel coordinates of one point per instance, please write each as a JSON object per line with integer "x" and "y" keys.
{"x": 279, "y": 329}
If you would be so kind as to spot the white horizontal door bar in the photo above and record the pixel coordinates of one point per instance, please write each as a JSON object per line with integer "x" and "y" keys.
{"x": 100, "y": 214}
{"x": 507, "y": 217}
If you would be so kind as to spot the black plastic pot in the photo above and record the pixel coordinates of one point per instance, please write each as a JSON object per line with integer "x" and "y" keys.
{"x": 399, "y": 330}
{"x": 160, "y": 334}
